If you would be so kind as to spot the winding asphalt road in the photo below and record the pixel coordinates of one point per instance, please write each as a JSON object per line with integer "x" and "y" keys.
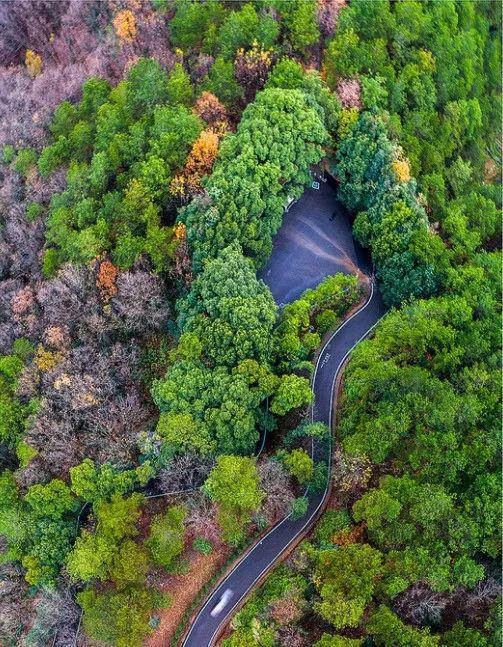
{"x": 293, "y": 247}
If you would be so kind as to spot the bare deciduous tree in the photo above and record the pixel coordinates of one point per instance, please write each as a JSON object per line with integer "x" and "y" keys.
{"x": 184, "y": 471}
{"x": 275, "y": 482}
{"x": 15, "y": 606}
{"x": 57, "y": 617}
{"x": 201, "y": 518}
{"x": 420, "y": 605}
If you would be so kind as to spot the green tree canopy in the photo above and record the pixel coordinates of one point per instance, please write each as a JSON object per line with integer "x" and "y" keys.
{"x": 233, "y": 484}
{"x": 346, "y": 579}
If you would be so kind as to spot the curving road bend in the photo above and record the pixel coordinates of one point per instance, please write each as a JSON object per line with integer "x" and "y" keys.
{"x": 264, "y": 554}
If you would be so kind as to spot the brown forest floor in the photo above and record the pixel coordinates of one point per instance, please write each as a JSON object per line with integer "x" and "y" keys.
{"x": 183, "y": 589}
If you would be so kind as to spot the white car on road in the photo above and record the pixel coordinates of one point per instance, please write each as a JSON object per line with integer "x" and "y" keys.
{"x": 222, "y": 603}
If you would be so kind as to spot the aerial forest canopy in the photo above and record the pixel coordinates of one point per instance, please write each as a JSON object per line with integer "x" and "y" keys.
{"x": 147, "y": 153}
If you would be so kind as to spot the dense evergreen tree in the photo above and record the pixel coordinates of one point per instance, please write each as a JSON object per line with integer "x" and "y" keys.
{"x": 259, "y": 168}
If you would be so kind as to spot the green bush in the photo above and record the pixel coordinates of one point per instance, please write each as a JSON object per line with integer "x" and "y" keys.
{"x": 120, "y": 618}
{"x": 299, "y": 507}
{"x": 325, "y": 321}
{"x": 318, "y": 309}
{"x": 26, "y": 159}
{"x": 202, "y": 545}
{"x": 123, "y": 147}
{"x": 33, "y": 211}
{"x": 166, "y": 539}
{"x": 8, "y": 154}
{"x": 331, "y": 523}
{"x": 50, "y": 263}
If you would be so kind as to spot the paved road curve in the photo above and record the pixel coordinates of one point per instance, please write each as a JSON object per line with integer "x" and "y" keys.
{"x": 243, "y": 577}
{"x": 314, "y": 241}
{"x": 245, "y": 574}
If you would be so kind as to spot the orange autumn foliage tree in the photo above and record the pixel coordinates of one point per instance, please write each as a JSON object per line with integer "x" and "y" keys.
{"x": 33, "y": 63}
{"x": 46, "y": 360}
{"x": 199, "y": 163}
{"x": 125, "y": 26}
{"x": 106, "y": 279}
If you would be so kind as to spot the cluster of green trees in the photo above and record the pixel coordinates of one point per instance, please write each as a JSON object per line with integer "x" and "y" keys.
{"x": 259, "y": 167}
{"x": 223, "y": 369}
{"x": 218, "y": 30}
{"x": 341, "y": 580}
{"x": 424, "y": 394}
{"x": 391, "y": 219}
{"x": 421, "y": 400}
{"x": 41, "y": 529}
{"x": 122, "y": 146}
{"x": 40, "y": 526}
{"x": 303, "y": 322}
{"x": 14, "y": 413}
{"x": 254, "y": 625}
{"x": 120, "y": 613}
{"x": 411, "y": 104}
{"x": 436, "y": 71}
{"x": 227, "y": 352}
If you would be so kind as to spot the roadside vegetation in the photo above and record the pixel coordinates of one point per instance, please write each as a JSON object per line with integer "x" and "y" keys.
{"x": 147, "y": 153}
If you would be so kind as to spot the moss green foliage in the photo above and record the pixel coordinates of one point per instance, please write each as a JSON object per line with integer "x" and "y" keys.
{"x": 298, "y": 463}
{"x": 346, "y": 579}
{"x": 110, "y": 552}
{"x": 217, "y": 410}
{"x": 288, "y": 74}
{"x": 166, "y": 539}
{"x": 331, "y": 523}
{"x": 231, "y": 312}
{"x": 39, "y": 528}
{"x": 33, "y": 211}
{"x": 120, "y": 618}
{"x": 211, "y": 28}
{"x": 8, "y": 154}
{"x": 122, "y": 146}
{"x": 233, "y": 484}
{"x": 194, "y": 23}
{"x": 242, "y": 28}
{"x": 221, "y": 82}
{"x": 442, "y": 97}
{"x": 292, "y": 392}
{"x": 337, "y": 641}
{"x": 387, "y": 629}
{"x": 203, "y": 546}
{"x": 409, "y": 521}
{"x": 303, "y": 322}
{"x": 461, "y": 636}
{"x": 13, "y": 411}
{"x": 306, "y": 429}
{"x": 422, "y": 358}
{"x": 430, "y": 362}
{"x": 97, "y": 483}
{"x": 26, "y": 160}
{"x": 391, "y": 220}
{"x": 299, "y": 507}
